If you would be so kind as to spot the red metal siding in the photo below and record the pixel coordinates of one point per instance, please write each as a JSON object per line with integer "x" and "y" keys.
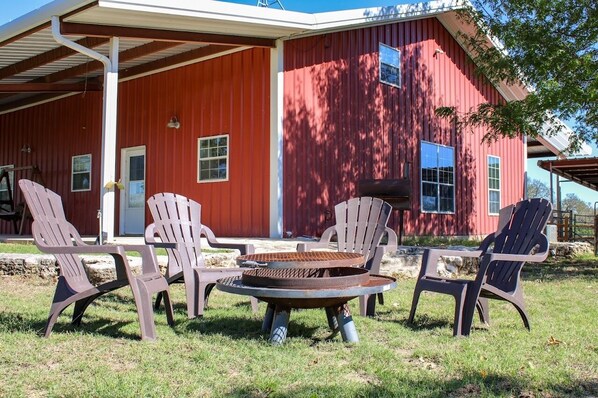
{"x": 341, "y": 125}
{"x": 227, "y": 95}
{"x": 56, "y": 131}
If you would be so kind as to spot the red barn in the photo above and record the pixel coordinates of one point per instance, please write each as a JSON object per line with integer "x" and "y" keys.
{"x": 266, "y": 117}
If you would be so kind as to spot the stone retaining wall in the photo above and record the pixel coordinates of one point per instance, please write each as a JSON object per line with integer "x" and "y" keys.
{"x": 405, "y": 262}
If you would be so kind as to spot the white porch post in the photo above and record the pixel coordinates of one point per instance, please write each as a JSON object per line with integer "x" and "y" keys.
{"x": 107, "y": 199}
{"x": 276, "y": 135}
{"x": 108, "y": 120}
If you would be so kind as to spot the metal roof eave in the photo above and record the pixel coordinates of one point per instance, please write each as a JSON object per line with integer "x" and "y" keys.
{"x": 39, "y": 17}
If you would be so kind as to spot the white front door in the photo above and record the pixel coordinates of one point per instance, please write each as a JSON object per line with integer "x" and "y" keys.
{"x": 132, "y": 197}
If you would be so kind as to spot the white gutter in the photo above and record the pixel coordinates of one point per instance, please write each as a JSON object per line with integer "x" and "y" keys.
{"x": 107, "y": 196}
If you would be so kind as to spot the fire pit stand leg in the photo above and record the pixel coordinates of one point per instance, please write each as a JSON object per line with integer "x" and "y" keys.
{"x": 347, "y": 326}
{"x": 268, "y": 318}
{"x": 280, "y": 325}
{"x": 332, "y": 319}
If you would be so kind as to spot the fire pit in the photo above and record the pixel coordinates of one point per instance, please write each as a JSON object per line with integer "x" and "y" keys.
{"x": 306, "y": 278}
{"x": 307, "y": 287}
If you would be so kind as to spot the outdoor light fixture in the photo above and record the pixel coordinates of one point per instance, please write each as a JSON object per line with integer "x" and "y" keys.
{"x": 173, "y": 123}
{"x": 26, "y": 149}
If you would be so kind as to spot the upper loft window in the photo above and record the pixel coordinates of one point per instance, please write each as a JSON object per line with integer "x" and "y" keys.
{"x": 493, "y": 185}
{"x": 437, "y": 178}
{"x": 390, "y": 65}
{"x": 81, "y": 173}
{"x": 213, "y": 159}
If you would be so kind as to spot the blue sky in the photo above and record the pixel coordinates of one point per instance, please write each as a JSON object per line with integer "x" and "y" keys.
{"x": 11, "y": 9}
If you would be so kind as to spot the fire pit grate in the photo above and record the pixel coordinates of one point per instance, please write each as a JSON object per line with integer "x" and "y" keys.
{"x": 306, "y": 278}
{"x": 314, "y": 259}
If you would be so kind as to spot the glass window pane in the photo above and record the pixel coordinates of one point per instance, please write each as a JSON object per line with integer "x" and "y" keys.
{"x": 136, "y": 168}
{"x": 446, "y": 198}
{"x": 213, "y": 161}
{"x": 429, "y": 197}
{"x": 81, "y": 181}
{"x": 390, "y": 60}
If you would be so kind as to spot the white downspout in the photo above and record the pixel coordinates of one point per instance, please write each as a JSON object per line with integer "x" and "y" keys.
{"x": 109, "y": 110}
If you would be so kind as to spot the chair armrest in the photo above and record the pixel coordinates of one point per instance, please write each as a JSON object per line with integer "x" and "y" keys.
{"x": 244, "y": 248}
{"x": 431, "y": 257}
{"x": 150, "y": 233}
{"x": 534, "y": 258}
{"x": 323, "y": 243}
{"x": 150, "y": 238}
{"x": 80, "y": 249}
{"x": 393, "y": 241}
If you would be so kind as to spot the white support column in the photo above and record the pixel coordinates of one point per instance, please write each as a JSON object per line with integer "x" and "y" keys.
{"x": 109, "y": 139}
{"x": 276, "y": 136}
{"x": 109, "y": 109}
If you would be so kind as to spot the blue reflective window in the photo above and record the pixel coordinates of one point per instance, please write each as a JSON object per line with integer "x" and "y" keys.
{"x": 437, "y": 178}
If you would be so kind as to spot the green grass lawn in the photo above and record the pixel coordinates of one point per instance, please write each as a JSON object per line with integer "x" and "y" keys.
{"x": 30, "y": 248}
{"x": 225, "y": 354}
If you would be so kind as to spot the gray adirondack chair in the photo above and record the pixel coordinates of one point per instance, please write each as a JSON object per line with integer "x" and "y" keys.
{"x": 502, "y": 255}
{"x": 53, "y": 234}
{"x": 360, "y": 227}
{"x": 177, "y": 223}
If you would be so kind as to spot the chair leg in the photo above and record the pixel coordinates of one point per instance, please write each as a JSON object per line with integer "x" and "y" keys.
{"x": 416, "y": 294}
{"x": 522, "y": 312}
{"x": 145, "y": 312}
{"x": 80, "y": 307}
{"x": 200, "y": 302}
{"x": 158, "y": 301}
{"x": 55, "y": 310}
{"x": 380, "y": 298}
{"x": 471, "y": 299}
{"x": 367, "y": 305}
{"x": 459, "y": 305}
{"x": 483, "y": 310}
{"x": 209, "y": 288}
{"x": 168, "y": 307}
{"x": 254, "y": 304}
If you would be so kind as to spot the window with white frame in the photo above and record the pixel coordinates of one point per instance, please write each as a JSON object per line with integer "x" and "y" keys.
{"x": 390, "y": 65}
{"x": 81, "y": 173}
{"x": 4, "y": 194}
{"x": 493, "y": 184}
{"x": 437, "y": 178}
{"x": 213, "y": 158}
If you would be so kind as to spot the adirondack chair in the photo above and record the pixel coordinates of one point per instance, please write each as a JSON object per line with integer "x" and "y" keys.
{"x": 53, "y": 234}
{"x": 360, "y": 227}
{"x": 502, "y": 255}
{"x": 177, "y": 223}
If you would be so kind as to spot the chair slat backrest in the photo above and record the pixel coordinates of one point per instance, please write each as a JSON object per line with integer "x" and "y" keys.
{"x": 178, "y": 220}
{"x": 51, "y": 228}
{"x": 360, "y": 224}
{"x": 519, "y": 235}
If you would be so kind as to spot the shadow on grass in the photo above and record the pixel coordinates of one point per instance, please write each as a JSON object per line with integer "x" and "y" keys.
{"x": 562, "y": 268}
{"x": 468, "y": 385}
{"x": 17, "y": 323}
{"x": 244, "y": 328}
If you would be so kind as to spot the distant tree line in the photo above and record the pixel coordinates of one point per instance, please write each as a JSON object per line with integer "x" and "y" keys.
{"x": 538, "y": 189}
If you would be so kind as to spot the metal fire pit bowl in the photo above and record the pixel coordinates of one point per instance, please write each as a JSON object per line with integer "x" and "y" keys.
{"x": 306, "y": 278}
{"x": 282, "y": 300}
